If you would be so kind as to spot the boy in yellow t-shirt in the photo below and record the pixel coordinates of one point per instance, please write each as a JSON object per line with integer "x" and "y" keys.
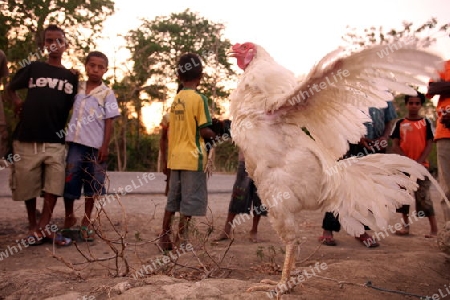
{"x": 187, "y": 157}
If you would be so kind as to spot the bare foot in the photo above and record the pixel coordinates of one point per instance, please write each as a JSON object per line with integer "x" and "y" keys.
{"x": 403, "y": 231}
{"x": 165, "y": 243}
{"x": 253, "y": 236}
{"x": 69, "y": 222}
{"x": 431, "y": 235}
{"x": 222, "y": 237}
{"x": 32, "y": 231}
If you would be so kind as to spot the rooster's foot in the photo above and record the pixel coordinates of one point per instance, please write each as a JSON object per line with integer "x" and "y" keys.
{"x": 274, "y": 287}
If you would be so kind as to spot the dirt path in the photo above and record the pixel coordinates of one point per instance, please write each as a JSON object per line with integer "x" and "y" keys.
{"x": 412, "y": 265}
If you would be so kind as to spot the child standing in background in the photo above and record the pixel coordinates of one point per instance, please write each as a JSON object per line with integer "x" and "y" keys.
{"x": 51, "y": 89}
{"x": 413, "y": 137}
{"x": 186, "y": 154}
{"x": 88, "y": 137}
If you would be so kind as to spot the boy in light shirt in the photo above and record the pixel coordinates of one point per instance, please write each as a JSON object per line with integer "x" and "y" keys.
{"x": 88, "y": 137}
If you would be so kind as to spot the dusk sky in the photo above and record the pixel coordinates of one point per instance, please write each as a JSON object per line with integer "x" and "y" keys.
{"x": 296, "y": 34}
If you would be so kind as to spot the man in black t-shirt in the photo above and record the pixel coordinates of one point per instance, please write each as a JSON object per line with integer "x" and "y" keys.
{"x": 39, "y": 138}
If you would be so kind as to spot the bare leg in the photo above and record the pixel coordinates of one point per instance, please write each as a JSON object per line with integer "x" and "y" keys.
{"x": 47, "y": 210}
{"x": 31, "y": 212}
{"x": 327, "y": 238}
{"x": 164, "y": 238}
{"x": 445, "y": 209}
{"x": 228, "y": 223}
{"x": 443, "y": 154}
{"x": 226, "y": 233}
{"x": 88, "y": 207}
{"x": 254, "y": 231}
{"x": 433, "y": 227}
{"x": 405, "y": 229}
{"x": 327, "y": 233}
{"x": 183, "y": 229}
{"x": 86, "y": 231}
{"x": 70, "y": 219}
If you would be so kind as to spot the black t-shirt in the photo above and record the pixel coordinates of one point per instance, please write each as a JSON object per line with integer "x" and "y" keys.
{"x": 51, "y": 92}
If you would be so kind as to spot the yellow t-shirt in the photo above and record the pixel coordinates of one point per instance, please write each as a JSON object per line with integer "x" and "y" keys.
{"x": 188, "y": 114}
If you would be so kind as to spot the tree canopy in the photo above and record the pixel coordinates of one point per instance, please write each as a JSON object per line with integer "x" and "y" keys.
{"x": 157, "y": 44}
{"x": 424, "y": 35}
{"x": 23, "y": 22}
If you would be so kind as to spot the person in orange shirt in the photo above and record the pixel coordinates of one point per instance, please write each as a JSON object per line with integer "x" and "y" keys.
{"x": 413, "y": 137}
{"x": 442, "y": 135}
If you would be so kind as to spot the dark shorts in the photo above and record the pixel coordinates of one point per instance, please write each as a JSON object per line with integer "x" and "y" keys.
{"x": 423, "y": 200}
{"x": 331, "y": 222}
{"x": 188, "y": 193}
{"x": 245, "y": 196}
{"x": 84, "y": 172}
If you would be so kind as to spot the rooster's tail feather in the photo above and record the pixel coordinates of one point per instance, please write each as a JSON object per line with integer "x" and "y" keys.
{"x": 368, "y": 190}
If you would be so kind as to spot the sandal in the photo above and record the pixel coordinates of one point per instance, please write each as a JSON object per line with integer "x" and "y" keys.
{"x": 33, "y": 240}
{"x": 86, "y": 234}
{"x": 71, "y": 233}
{"x": 59, "y": 240}
{"x": 327, "y": 240}
{"x": 368, "y": 241}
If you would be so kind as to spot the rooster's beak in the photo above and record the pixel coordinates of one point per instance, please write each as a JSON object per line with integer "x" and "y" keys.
{"x": 231, "y": 53}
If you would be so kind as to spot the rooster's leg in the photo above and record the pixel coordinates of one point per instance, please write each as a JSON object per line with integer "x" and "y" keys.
{"x": 284, "y": 285}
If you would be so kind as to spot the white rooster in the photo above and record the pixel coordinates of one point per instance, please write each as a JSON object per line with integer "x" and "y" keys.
{"x": 270, "y": 107}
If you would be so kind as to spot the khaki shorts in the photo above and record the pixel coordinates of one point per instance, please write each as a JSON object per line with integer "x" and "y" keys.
{"x": 40, "y": 167}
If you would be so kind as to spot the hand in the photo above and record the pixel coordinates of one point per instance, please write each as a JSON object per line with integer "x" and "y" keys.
{"x": 210, "y": 164}
{"x": 103, "y": 154}
{"x": 377, "y": 145}
{"x": 18, "y": 108}
{"x": 165, "y": 170}
{"x": 365, "y": 142}
{"x": 382, "y": 142}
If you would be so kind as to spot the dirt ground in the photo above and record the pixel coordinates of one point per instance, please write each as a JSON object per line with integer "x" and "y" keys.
{"x": 401, "y": 268}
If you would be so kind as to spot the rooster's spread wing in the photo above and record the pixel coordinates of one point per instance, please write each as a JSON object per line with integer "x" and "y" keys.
{"x": 333, "y": 98}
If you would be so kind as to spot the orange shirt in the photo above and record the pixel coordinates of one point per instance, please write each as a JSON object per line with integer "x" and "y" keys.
{"x": 443, "y": 106}
{"x": 441, "y": 131}
{"x": 413, "y": 136}
{"x": 445, "y": 74}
